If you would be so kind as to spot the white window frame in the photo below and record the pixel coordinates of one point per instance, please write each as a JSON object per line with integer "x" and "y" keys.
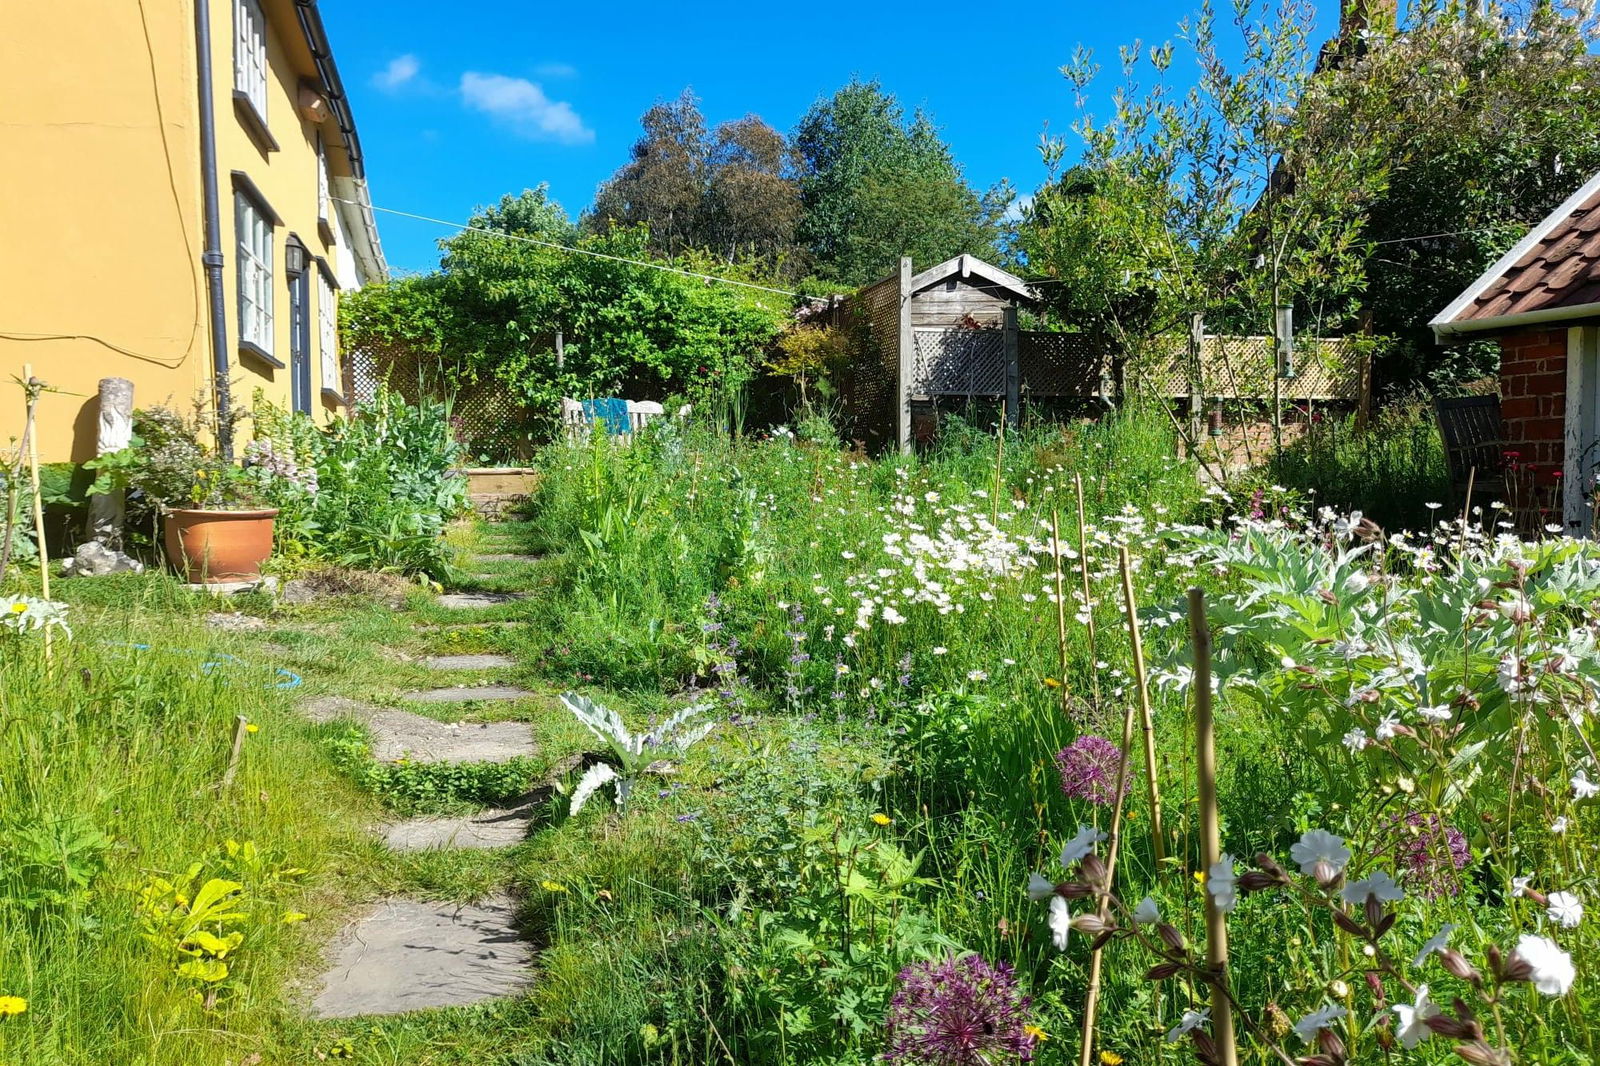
{"x": 328, "y": 332}
{"x": 250, "y": 53}
{"x": 253, "y": 230}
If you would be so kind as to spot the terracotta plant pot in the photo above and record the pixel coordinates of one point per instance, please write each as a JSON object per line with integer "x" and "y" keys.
{"x": 211, "y": 547}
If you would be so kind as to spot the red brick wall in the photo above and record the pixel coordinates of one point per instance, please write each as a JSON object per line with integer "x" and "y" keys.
{"x": 1533, "y": 398}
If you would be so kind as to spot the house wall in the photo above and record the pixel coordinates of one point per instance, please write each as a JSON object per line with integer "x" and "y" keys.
{"x": 1533, "y": 385}
{"x": 101, "y": 222}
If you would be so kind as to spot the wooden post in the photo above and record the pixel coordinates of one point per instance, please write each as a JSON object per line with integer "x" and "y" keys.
{"x": 1197, "y": 334}
{"x": 1141, "y": 682}
{"x": 115, "y": 433}
{"x": 34, "y": 386}
{"x": 907, "y": 361}
{"x": 1210, "y": 826}
{"x": 241, "y": 726}
{"x": 1013, "y": 401}
{"x": 561, "y": 352}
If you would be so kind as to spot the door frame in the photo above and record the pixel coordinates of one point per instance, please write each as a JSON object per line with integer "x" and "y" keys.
{"x": 298, "y": 268}
{"x": 1581, "y": 439}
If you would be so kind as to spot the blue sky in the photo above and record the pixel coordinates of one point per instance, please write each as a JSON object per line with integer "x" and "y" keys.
{"x": 458, "y": 103}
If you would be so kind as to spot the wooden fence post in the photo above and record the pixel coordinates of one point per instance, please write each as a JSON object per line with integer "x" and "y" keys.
{"x": 1197, "y": 333}
{"x": 1013, "y": 368}
{"x": 907, "y": 361}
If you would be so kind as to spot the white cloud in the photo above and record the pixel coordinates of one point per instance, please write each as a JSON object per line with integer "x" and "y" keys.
{"x": 556, "y": 70}
{"x": 523, "y": 106}
{"x": 401, "y": 69}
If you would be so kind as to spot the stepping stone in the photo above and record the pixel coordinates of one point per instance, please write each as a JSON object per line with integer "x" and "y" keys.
{"x": 493, "y": 828}
{"x": 454, "y": 626}
{"x": 505, "y": 557}
{"x": 403, "y": 735}
{"x": 463, "y": 693}
{"x": 235, "y": 622}
{"x": 468, "y": 662}
{"x": 460, "y": 600}
{"x": 404, "y": 956}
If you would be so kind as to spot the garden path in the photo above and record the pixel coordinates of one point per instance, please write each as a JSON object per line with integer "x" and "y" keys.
{"x": 405, "y": 955}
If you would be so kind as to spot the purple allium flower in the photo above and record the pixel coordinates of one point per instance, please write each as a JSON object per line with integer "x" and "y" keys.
{"x": 1429, "y": 854}
{"x": 958, "y": 1012}
{"x": 1089, "y": 769}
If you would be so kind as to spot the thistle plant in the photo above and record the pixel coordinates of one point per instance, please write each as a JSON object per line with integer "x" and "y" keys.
{"x": 635, "y": 753}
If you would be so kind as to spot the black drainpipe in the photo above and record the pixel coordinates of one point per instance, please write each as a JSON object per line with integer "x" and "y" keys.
{"x": 212, "y": 257}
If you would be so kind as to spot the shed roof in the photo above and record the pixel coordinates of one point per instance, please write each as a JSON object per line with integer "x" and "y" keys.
{"x": 1551, "y": 275}
{"x": 970, "y": 266}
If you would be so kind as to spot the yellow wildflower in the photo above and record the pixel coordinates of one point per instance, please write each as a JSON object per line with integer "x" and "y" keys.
{"x": 1110, "y": 1058}
{"x": 1036, "y": 1032}
{"x": 1051, "y": 682}
{"x": 882, "y": 819}
{"x": 552, "y": 886}
{"x": 252, "y": 728}
{"x": 19, "y": 608}
{"x": 10, "y": 1006}
{"x": 293, "y": 916}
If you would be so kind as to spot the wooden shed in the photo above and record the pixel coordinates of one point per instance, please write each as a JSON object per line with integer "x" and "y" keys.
{"x": 950, "y": 330}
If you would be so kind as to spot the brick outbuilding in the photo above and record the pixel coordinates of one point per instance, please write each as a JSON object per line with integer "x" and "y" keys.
{"x": 1541, "y": 301}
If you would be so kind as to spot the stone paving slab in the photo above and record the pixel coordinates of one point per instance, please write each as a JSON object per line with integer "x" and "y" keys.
{"x": 465, "y": 600}
{"x": 468, "y": 662}
{"x": 504, "y": 557}
{"x": 404, "y": 956}
{"x": 466, "y": 693}
{"x": 403, "y": 735}
{"x": 235, "y": 622}
{"x": 451, "y": 626}
{"x": 493, "y": 828}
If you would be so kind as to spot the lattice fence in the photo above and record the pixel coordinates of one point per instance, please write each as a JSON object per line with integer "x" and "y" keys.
{"x": 489, "y": 420}
{"x": 958, "y": 362}
{"x": 1059, "y": 365}
{"x": 1326, "y": 368}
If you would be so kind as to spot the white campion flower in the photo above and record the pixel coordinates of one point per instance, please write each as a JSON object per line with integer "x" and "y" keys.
{"x": 1560, "y": 825}
{"x": 1437, "y": 942}
{"x": 1552, "y": 969}
{"x": 1079, "y": 846}
{"x": 1040, "y": 887}
{"x": 1356, "y": 740}
{"x": 1566, "y": 909}
{"x": 1221, "y": 883}
{"x": 1147, "y": 913}
{"x": 1438, "y": 712}
{"x": 1378, "y": 884}
{"x": 1582, "y": 787}
{"x": 1519, "y": 886}
{"x": 1060, "y": 922}
{"x": 1385, "y": 727}
{"x": 1516, "y": 609}
{"x": 1412, "y": 1019}
{"x": 1319, "y": 845}
{"x": 1308, "y": 1027}
{"x": 1191, "y": 1020}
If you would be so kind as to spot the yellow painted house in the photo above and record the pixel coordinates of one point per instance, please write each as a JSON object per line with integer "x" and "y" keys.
{"x": 182, "y": 199}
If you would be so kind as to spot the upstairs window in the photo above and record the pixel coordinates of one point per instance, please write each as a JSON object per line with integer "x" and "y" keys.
{"x": 250, "y": 54}
{"x": 328, "y": 334}
{"x": 322, "y": 181}
{"x": 255, "y": 273}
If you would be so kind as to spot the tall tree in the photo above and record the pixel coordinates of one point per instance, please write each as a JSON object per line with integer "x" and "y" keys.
{"x": 663, "y": 184}
{"x": 752, "y": 200}
{"x": 876, "y": 185}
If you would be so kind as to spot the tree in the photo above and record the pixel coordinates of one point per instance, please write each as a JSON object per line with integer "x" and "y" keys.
{"x": 663, "y": 184}
{"x": 875, "y": 186}
{"x": 1491, "y": 113}
{"x": 752, "y": 201}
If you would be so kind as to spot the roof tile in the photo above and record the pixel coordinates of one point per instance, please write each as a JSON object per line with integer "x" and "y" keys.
{"x": 1560, "y": 270}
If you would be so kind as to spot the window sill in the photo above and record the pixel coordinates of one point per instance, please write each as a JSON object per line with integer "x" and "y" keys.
{"x": 250, "y": 352}
{"x": 333, "y": 397}
{"x": 253, "y": 122}
{"x": 325, "y": 231}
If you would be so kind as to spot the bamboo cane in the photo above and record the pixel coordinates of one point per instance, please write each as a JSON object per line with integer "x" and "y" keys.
{"x": 1088, "y": 605}
{"x": 1210, "y": 827}
{"x": 1136, "y": 639}
{"x": 999, "y": 465}
{"x": 33, "y": 386}
{"x": 241, "y": 726}
{"x": 1061, "y": 610}
{"x": 1091, "y": 1003}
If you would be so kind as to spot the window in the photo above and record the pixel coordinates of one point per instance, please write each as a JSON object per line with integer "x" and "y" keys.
{"x": 255, "y": 273}
{"x": 328, "y": 333}
{"x": 250, "y": 54}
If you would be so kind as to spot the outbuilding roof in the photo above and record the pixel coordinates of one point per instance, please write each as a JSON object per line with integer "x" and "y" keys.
{"x": 1552, "y": 274}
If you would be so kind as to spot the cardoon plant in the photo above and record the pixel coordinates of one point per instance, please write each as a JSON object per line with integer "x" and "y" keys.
{"x": 961, "y": 1011}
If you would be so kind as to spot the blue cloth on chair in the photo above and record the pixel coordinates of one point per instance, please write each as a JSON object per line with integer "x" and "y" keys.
{"x": 612, "y": 412}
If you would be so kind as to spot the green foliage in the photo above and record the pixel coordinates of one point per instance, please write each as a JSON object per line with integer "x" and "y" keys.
{"x": 428, "y": 788}
{"x": 876, "y": 186}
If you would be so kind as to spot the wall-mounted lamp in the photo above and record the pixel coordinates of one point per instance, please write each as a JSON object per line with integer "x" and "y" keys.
{"x": 295, "y": 258}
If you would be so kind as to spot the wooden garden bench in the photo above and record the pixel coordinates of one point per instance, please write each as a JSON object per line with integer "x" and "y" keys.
{"x": 1474, "y": 445}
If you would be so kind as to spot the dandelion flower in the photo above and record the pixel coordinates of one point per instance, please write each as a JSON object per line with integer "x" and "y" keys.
{"x": 252, "y": 728}
{"x": 1110, "y": 1058}
{"x": 552, "y": 886}
{"x": 882, "y": 819}
{"x": 11, "y": 1006}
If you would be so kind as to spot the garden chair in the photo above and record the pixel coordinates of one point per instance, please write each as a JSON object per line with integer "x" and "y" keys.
{"x": 1474, "y": 445}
